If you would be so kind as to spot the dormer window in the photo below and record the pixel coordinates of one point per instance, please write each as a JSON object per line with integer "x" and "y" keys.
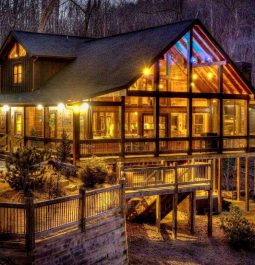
{"x": 17, "y": 74}
{"x": 17, "y": 51}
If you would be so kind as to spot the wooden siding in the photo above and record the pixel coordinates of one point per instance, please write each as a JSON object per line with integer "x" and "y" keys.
{"x": 45, "y": 68}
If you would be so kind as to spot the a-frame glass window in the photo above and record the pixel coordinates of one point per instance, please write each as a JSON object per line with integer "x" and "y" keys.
{"x": 232, "y": 83}
{"x": 205, "y": 63}
{"x": 17, "y": 51}
{"x": 173, "y": 67}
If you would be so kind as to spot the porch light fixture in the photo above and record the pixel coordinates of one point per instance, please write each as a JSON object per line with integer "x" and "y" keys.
{"x": 146, "y": 71}
{"x": 76, "y": 108}
{"x": 39, "y": 107}
{"x": 61, "y": 106}
{"x": 210, "y": 75}
{"x": 84, "y": 107}
{"x": 6, "y": 108}
{"x": 195, "y": 76}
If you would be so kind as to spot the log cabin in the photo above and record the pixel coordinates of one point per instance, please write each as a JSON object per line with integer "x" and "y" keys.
{"x": 160, "y": 95}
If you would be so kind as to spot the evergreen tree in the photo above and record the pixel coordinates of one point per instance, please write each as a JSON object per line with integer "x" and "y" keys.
{"x": 64, "y": 148}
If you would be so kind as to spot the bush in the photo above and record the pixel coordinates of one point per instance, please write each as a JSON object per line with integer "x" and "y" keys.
{"x": 240, "y": 233}
{"x": 95, "y": 171}
{"x": 24, "y": 170}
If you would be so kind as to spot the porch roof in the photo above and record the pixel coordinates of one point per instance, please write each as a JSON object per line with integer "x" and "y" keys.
{"x": 104, "y": 65}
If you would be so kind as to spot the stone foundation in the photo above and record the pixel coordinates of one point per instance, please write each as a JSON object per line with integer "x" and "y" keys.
{"x": 102, "y": 243}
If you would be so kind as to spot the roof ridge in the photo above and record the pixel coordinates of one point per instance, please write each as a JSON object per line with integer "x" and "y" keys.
{"x": 145, "y": 29}
{"x": 51, "y": 34}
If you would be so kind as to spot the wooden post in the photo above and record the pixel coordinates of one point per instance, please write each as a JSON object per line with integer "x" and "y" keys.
{"x": 214, "y": 172}
{"x": 238, "y": 178}
{"x": 220, "y": 88}
{"x": 247, "y": 191}
{"x": 192, "y": 211}
{"x": 82, "y": 207}
{"x": 175, "y": 204}
{"x": 156, "y": 108}
{"x": 76, "y": 136}
{"x": 30, "y": 224}
{"x": 158, "y": 212}
{"x": 210, "y": 211}
{"x": 219, "y": 187}
{"x": 122, "y": 125}
{"x": 123, "y": 197}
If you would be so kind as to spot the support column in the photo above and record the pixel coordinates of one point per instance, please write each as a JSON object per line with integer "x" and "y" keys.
{"x": 158, "y": 212}
{"x": 24, "y": 126}
{"x": 247, "y": 202}
{"x": 192, "y": 211}
{"x": 76, "y": 137}
{"x": 238, "y": 179}
{"x": 219, "y": 187}
{"x": 174, "y": 215}
{"x": 156, "y": 108}
{"x": 210, "y": 212}
{"x": 122, "y": 125}
{"x": 214, "y": 174}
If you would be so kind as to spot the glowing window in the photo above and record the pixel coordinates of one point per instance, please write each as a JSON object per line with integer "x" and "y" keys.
{"x": 18, "y": 124}
{"x": 17, "y": 74}
{"x": 17, "y": 51}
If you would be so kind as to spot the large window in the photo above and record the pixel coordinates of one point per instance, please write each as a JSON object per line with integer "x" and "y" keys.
{"x": 34, "y": 121}
{"x": 105, "y": 122}
{"x": 235, "y": 117}
{"x": 173, "y": 67}
{"x": 205, "y": 117}
{"x": 173, "y": 120}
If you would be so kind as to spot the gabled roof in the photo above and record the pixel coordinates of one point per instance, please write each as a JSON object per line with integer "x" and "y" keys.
{"x": 103, "y": 65}
{"x": 47, "y": 45}
{"x": 106, "y": 64}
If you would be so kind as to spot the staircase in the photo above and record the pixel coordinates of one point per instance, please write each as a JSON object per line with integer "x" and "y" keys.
{"x": 144, "y": 209}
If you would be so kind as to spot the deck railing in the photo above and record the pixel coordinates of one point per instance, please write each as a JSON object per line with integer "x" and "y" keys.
{"x": 31, "y": 219}
{"x": 167, "y": 175}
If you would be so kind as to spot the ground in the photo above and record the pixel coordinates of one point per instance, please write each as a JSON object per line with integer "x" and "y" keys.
{"x": 148, "y": 247}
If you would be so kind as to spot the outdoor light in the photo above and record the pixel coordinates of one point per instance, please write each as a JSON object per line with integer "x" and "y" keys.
{"x": 84, "y": 107}
{"x": 193, "y": 60}
{"x": 61, "y": 106}
{"x": 146, "y": 71}
{"x": 39, "y": 106}
{"x": 195, "y": 76}
{"x": 192, "y": 84}
{"x": 210, "y": 75}
{"x": 5, "y": 108}
{"x": 76, "y": 108}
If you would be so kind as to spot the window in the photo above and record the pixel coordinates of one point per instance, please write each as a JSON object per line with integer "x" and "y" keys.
{"x": 17, "y": 74}
{"x": 235, "y": 117}
{"x": 34, "y": 122}
{"x": 18, "y": 124}
{"x": 17, "y": 51}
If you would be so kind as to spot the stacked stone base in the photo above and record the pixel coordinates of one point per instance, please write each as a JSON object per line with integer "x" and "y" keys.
{"x": 102, "y": 243}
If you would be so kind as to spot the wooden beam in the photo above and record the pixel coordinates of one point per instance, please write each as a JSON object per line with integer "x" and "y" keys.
{"x": 210, "y": 212}
{"x": 219, "y": 187}
{"x": 238, "y": 178}
{"x": 76, "y": 137}
{"x": 214, "y": 173}
{"x": 122, "y": 126}
{"x": 158, "y": 212}
{"x": 156, "y": 108}
{"x": 192, "y": 211}
{"x": 247, "y": 201}
{"x": 248, "y": 125}
{"x": 220, "y": 89}
{"x": 174, "y": 215}
{"x": 189, "y": 88}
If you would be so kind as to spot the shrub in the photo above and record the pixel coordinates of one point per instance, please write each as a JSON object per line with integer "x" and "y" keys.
{"x": 239, "y": 231}
{"x": 64, "y": 148}
{"x": 24, "y": 170}
{"x": 94, "y": 171}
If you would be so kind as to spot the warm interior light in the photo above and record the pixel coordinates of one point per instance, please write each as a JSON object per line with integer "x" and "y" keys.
{"x": 76, "y": 108}
{"x": 5, "y": 108}
{"x": 61, "y": 106}
{"x": 192, "y": 84}
{"x": 39, "y": 107}
{"x": 195, "y": 76}
{"x": 146, "y": 71}
{"x": 210, "y": 75}
{"x": 84, "y": 107}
